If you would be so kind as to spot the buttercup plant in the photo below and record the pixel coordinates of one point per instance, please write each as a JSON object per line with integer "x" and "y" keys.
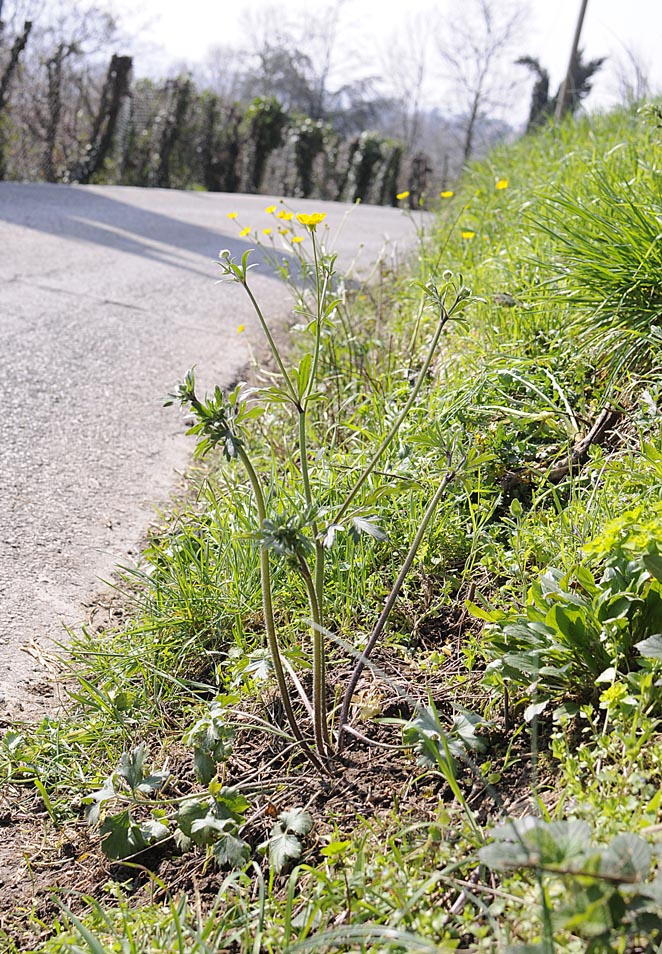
{"x": 302, "y": 539}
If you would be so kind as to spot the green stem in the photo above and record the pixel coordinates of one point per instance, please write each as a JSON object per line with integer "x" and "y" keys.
{"x": 272, "y": 345}
{"x": 269, "y": 622}
{"x": 443, "y": 318}
{"x": 319, "y": 663}
{"x": 390, "y": 602}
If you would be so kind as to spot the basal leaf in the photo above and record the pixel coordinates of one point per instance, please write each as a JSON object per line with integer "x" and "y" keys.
{"x": 122, "y": 836}
{"x": 283, "y": 848}
{"x": 95, "y": 800}
{"x": 298, "y": 821}
{"x": 627, "y": 857}
{"x": 131, "y": 766}
{"x": 230, "y": 850}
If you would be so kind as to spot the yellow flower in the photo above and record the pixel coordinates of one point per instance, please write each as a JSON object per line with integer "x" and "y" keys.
{"x": 283, "y": 231}
{"x": 288, "y": 216}
{"x": 241, "y": 329}
{"x": 266, "y": 231}
{"x": 311, "y": 221}
{"x": 296, "y": 239}
{"x": 448, "y": 194}
{"x": 501, "y": 184}
{"x": 245, "y": 232}
{"x": 232, "y": 215}
{"x": 270, "y": 209}
{"x": 402, "y": 195}
{"x": 468, "y": 234}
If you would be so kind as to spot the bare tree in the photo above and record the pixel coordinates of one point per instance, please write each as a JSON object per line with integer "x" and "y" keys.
{"x": 632, "y": 76}
{"x": 406, "y": 67}
{"x": 477, "y": 55}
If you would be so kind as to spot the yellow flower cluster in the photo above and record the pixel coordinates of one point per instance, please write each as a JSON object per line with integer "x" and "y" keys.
{"x": 447, "y": 194}
{"x": 311, "y": 221}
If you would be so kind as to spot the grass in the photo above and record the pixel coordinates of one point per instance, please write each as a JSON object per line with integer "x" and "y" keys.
{"x": 486, "y": 699}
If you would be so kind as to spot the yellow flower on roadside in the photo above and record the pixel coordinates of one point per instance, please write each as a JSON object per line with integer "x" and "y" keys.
{"x": 241, "y": 329}
{"x": 232, "y": 215}
{"x": 287, "y": 216}
{"x": 245, "y": 232}
{"x": 402, "y": 195}
{"x": 501, "y": 184}
{"x": 447, "y": 194}
{"x": 270, "y": 209}
{"x": 468, "y": 234}
{"x": 311, "y": 221}
{"x": 267, "y": 231}
{"x": 296, "y": 239}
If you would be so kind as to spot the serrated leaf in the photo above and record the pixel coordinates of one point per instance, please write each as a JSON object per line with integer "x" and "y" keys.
{"x": 297, "y": 820}
{"x": 154, "y": 830}
{"x": 153, "y": 782}
{"x": 205, "y": 766}
{"x": 189, "y": 811}
{"x": 131, "y": 766}
{"x": 207, "y": 830}
{"x": 96, "y": 799}
{"x": 283, "y": 848}
{"x": 230, "y": 850}
{"x": 627, "y": 857}
{"x": 183, "y": 842}
{"x": 228, "y": 802}
{"x": 122, "y": 836}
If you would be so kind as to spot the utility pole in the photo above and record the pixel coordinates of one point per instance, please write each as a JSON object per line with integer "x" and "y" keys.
{"x": 566, "y": 85}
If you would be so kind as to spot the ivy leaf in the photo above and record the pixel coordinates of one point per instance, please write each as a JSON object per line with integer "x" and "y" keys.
{"x": 96, "y": 799}
{"x": 230, "y": 850}
{"x": 122, "y": 836}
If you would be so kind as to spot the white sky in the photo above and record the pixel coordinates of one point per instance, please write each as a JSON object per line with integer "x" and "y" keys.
{"x": 180, "y": 32}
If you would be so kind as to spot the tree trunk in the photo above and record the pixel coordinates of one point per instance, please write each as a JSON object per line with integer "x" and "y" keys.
{"x": 115, "y": 90}
{"x": 11, "y": 67}
{"x": 54, "y": 71}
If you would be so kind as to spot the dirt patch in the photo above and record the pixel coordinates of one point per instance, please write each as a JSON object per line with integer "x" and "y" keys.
{"x": 374, "y": 778}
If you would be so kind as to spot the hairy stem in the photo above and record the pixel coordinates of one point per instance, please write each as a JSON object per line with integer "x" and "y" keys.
{"x": 269, "y": 622}
{"x": 319, "y": 663}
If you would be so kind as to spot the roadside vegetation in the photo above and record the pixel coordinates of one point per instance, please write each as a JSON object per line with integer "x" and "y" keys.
{"x": 389, "y": 680}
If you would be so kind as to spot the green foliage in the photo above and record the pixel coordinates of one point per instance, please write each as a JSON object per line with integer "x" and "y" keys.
{"x": 265, "y": 123}
{"x": 608, "y": 254}
{"x": 606, "y": 890}
{"x": 579, "y": 632}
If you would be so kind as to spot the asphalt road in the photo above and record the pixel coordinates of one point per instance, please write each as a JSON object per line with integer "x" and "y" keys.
{"x": 107, "y": 296}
